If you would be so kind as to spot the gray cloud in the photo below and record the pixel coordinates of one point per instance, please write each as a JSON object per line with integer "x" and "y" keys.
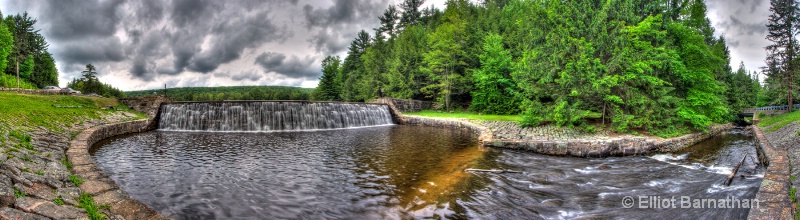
{"x": 293, "y": 67}
{"x": 77, "y": 19}
{"x": 246, "y": 75}
{"x": 336, "y": 22}
{"x": 146, "y": 43}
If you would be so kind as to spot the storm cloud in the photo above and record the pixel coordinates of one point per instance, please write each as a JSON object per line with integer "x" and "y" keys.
{"x": 145, "y": 44}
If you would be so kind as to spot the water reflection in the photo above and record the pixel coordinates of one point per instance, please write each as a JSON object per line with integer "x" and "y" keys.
{"x": 398, "y": 172}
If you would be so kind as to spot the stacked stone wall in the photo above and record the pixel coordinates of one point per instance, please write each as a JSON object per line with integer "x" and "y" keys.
{"x": 149, "y": 105}
{"x": 104, "y": 190}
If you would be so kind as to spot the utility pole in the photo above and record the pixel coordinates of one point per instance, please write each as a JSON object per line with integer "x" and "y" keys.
{"x": 16, "y": 61}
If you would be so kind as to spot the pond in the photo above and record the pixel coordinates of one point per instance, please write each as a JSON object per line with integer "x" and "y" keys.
{"x": 394, "y": 172}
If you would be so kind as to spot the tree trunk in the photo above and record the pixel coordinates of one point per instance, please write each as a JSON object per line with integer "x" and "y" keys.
{"x": 17, "y": 70}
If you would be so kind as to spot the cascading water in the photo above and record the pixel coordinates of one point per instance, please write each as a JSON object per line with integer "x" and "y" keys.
{"x": 270, "y": 116}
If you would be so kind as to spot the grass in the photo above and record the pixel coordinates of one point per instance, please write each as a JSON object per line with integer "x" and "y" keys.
{"x": 779, "y": 121}
{"x": 58, "y": 201}
{"x": 25, "y": 111}
{"x": 19, "y": 194}
{"x": 66, "y": 163}
{"x": 87, "y": 203}
{"x": 39, "y": 172}
{"x": 76, "y": 180}
{"x": 467, "y": 115}
{"x": 10, "y": 81}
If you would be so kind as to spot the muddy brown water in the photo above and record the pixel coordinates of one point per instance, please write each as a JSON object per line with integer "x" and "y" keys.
{"x": 401, "y": 172}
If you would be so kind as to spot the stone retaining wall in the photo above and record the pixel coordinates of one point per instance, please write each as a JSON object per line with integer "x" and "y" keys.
{"x": 484, "y": 134}
{"x": 626, "y": 146}
{"x": 149, "y": 105}
{"x": 773, "y": 195}
{"x": 104, "y": 190}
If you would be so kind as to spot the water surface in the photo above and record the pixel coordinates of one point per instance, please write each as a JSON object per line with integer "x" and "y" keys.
{"x": 391, "y": 172}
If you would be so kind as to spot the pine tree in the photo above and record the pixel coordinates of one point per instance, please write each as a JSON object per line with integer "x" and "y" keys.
{"x": 783, "y": 26}
{"x": 327, "y": 89}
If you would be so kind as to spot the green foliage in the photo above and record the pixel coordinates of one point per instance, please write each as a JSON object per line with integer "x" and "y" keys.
{"x": 31, "y": 111}
{"x": 26, "y": 68}
{"x": 21, "y": 136}
{"x": 45, "y": 72}
{"x": 6, "y": 45}
{"x": 466, "y": 115}
{"x": 66, "y": 163}
{"x": 19, "y": 194}
{"x": 328, "y": 90}
{"x": 58, "y": 201}
{"x": 9, "y": 81}
{"x": 230, "y": 93}
{"x": 39, "y": 172}
{"x": 778, "y": 121}
{"x": 86, "y": 202}
{"x": 783, "y": 26}
{"x": 495, "y": 92}
{"x": 90, "y": 84}
{"x": 627, "y": 65}
{"x": 76, "y": 180}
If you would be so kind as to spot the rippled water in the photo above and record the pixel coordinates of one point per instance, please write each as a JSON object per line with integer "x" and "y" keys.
{"x": 407, "y": 172}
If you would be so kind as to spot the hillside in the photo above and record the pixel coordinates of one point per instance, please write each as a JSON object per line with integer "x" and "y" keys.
{"x": 231, "y": 93}
{"x": 35, "y": 131}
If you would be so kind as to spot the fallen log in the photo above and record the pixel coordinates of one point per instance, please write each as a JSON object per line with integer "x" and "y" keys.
{"x": 735, "y": 169}
{"x": 493, "y": 171}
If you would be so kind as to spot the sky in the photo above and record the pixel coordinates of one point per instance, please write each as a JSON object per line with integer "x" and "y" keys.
{"x": 145, "y": 44}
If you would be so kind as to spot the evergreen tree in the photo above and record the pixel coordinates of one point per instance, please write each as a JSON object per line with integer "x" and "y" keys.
{"x": 327, "y": 89}
{"x": 411, "y": 13}
{"x": 6, "y": 45}
{"x": 494, "y": 91}
{"x": 781, "y": 54}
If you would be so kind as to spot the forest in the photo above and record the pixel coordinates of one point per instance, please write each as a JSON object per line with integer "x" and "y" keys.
{"x": 652, "y": 66}
{"x": 24, "y": 55}
{"x": 230, "y": 93}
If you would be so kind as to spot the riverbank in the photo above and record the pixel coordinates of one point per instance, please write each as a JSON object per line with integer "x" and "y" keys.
{"x": 783, "y": 135}
{"x": 35, "y": 133}
{"x": 558, "y": 141}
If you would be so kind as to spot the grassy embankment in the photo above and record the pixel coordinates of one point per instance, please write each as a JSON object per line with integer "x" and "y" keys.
{"x": 57, "y": 113}
{"x": 778, "y": 121}
{"x": 466, "y": 115}
{"x": 23, "y": 114}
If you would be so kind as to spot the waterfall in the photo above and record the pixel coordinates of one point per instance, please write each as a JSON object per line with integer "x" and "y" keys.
{"x": 270, "y": 116}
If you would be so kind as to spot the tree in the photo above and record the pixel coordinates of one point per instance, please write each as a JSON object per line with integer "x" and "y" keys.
{"x": 45, "y": 72}
{"x": 352, "y": 67}
{"x": 89, "y": 73}
{"x": 26, "y": 68}
{"x": 443, "y": 61}
{"x": 388, "y": 21}
{"x": 327, "y": 89}
{"x": 494, "y": 91}
{"x": 6, "y": 45}
{"x": 25, "y": 42}
{"x": 411, "y": 13}
{"x": 782, "y": 26}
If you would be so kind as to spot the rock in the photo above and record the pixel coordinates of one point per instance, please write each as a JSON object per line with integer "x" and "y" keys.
{"x": 131, "y": 209}
{"x": 40, "y": 190}
{"x": 110, "y": 197}
{"x": 604, "y": 167}
{"x": 94, "y": 187}
{"x": 7, "y": 197}
{"x": 72, "y": 192}
{"x": 9, "y": 213}
{"x": 48, "y": 208}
